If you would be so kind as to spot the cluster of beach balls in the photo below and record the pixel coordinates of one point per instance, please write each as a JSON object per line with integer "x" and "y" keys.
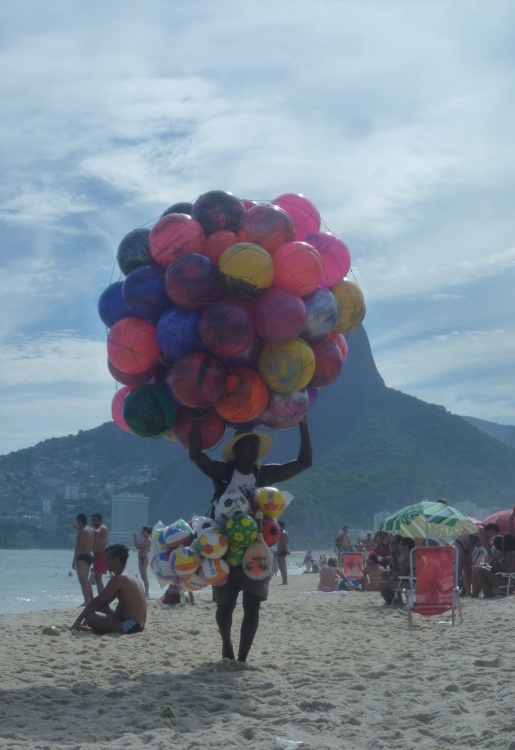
{"x": 198, "y": 554}
{"x": 231, "y": 307}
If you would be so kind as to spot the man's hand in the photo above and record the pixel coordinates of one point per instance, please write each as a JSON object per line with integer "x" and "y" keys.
{"x": 78, "y": 623}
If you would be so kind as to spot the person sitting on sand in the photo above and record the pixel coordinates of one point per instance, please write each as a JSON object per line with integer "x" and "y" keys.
{"x": 372, "y": 573}
{"x": 143, "y": 548}
{"x": 465, "y": 545}
{"x": 388, "y": 588}
{"x": 329, "y": 575}
{"x": 131, "y": 611}
{"x": 491, "y": 580}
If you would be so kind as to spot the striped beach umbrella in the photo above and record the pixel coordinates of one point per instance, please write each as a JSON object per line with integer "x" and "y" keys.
{"x": 424, "y": 518}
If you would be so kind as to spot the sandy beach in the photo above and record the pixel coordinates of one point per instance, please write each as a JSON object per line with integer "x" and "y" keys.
{"x": 331, "y": 670}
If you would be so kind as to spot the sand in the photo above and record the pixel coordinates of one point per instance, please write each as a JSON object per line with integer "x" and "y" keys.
{"x": 331, "y": 670}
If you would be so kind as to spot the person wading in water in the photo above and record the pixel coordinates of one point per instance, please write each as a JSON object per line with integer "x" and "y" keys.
{"x": 240, "y": 471}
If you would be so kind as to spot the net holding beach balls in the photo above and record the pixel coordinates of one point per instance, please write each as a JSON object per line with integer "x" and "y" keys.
{"x": 139, "y": 378}
{"x": 175, "y": 235}
{"x": 244, "y": 395}
{"x": 329, "y": 363}
{"x": 270, "y": 501}
{"x": 193, "y": 282}
{"x": 226, "y": 329}
{"x": 193, "y": 582}
{"x": 247, "y": 270}
{"x": 178, "y": 534}
{"x": 133, "y": 251}
{"x": 287, "y": 367}
{"x": 302, "y": 211}
{"x": 321, "y": 314}
{"x": 197, "y": 380}
{"x": 177, "y": 333}
{"x": 335, "y": 256}
{"x": 241, "y": 530}
{"x": 212, "y": 543}
{"x": 111, "y": 305}
{"x": 132, "y": 345}
{"x": 351, "y": 306}
{"x": 278, "y": 315}
{"x": 144, "y": 293}
{"x": 184, "y": 561}
{"x": 212, "y": 428}
{"x": 284, "y": 410}
{"x": 217, "y": 242}
{"x": 148, "y": 411}
{"x": 235, "y": 555}
{"x": 298, "y": 268}
{"x": 340, "y": 341}
{"x": 214, "y": 572}
{"x": 267, "y": 226}
{"x": 218, "y": 210}
{"x": 117, "y": 406}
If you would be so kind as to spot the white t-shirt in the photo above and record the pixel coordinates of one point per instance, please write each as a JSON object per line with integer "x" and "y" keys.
{"x": 244, "y": 483}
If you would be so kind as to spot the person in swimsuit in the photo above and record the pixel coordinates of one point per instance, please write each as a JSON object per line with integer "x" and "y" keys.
{"x": 373, "y": 573}
{"x": 490, "y": 578}
{"x": 329, "y": 575}
{"x": 282, "y": 553}
{"x": 240, "y": 472}
{"x": 83, "y": 558}
{"x": 131, "y": 611}
{"x": 100, "y": 542}
{"x": 465, "y": 545}
{"x": 143, "y": 548}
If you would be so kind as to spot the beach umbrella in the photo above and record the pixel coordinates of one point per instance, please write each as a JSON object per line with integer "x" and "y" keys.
{"x": 424, "y": 518}
{"x": 502, "y": 518}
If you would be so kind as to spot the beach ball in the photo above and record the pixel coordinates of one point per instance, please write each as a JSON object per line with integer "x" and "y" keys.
{"x": 244, "y": 395}
{"x": 132, "y": 345}
{"x": 302, "y": 211}
{"x": 341, "y": 343}
{"x": 200, "y": 523}
{"x": 298, "y": 268}
{"x": 212, "y": 543}
{"x": 197, "y": 380}
{"x": 183, "y": 207}
{"x": 226, "y": 329}
{"x": 271, "y": 531}
{"x": 241, "y": 530}
{"x": 270, "y": 501}
{"x": 144, "y": 293}
{"x": 287, "y": 367}
{"x": 312, "y": 394}
{"x": 212, "y": 428}
{"x": 126, "y": 379}
{"x": 247, "y": 270}
{"x": 247, "y": 358}
{"x": 193, "y": 582}
{"x": 235, "y": 555}
{"x": 177, "y": 332}
{"x": 217, "y": 210}
{"x": 184, "y": 561}
{"x": 229, "y": 505}
{"x": 217, "y": 242}
{"x": 267, "y": 226}
{"x": 117, "y": 406}
{"x": 160, "y": 565}
{"x": 284, "y": 410}
{"x": 175, "y": 235}
{"x": 335, "y": 256}
{"x": 351, "y": 306}
{"x": 329, "y": 363}
{"x": 158, "y": 540}
{"x": 214, "y": 572}
{"x": 322, "y": 314}
{"x": 249, "y": 204}
{"x": 278, "y": 315}
{"x": 178, "y": 534}
{"x": 111, "y": 305}
{"x": 193, "y": 282}
{"x": 148, "y": 411}
{"x": 133, "y": 251}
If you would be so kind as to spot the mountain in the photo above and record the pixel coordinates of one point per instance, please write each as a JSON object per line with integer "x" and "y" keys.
{"x": 374, "y": 449}
{"x": 505, "y": 433}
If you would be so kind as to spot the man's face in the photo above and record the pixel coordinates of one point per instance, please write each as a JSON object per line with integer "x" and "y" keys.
{"x": 247, "y": 449}
{"x": 110, "y": 562}
{"x": 96, "y": 522}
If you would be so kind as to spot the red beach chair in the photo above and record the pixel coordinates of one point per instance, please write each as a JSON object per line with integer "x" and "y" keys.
{"x": 434, "y": 590}
{"x": 352, "y": 563}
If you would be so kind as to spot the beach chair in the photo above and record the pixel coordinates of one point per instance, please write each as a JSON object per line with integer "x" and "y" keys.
{"x": 508, "y": 584}
{"x": 434, "y": 590}
{"x": 352, "y": 565}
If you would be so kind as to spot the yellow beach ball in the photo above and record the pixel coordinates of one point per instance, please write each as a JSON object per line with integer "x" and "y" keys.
{"x": 247, "y": 270}
{"x": 287, "y": 367}
{"x": 351, "y": 306}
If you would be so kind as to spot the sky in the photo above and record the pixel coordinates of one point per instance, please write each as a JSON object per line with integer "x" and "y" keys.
{"x": 396, "y": 119}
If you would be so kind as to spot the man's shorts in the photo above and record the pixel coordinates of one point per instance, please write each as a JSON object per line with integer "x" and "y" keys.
{"x": 238, "y": 581}
{"x": 99, "y": 563}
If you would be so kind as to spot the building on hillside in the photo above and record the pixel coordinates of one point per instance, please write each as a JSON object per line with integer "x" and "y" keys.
{"x": 72, "y": 492}
{"x": 473, "y": 511}
{"x": 49, "y": 522}
{"x": 46, "y": 504}
{"x": 129, "y": 512}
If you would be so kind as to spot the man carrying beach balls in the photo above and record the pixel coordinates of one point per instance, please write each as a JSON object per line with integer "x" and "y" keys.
{"x": 241, "y": 472}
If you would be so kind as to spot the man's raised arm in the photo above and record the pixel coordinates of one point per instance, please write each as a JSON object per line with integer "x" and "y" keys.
{"x": 273, "y": 473}
{"x": 206, "y": 465}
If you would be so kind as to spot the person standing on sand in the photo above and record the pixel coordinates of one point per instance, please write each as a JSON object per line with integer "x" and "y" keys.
{"x": 342, "y": 542}
{"x": 282, "y": 553}
{"x": 240, "y": 471}
{"x": 83, "y": 558}
{"x": 143, "y": 548}
{"x": 131, "y": 611}
{"x": 100, "y": 542}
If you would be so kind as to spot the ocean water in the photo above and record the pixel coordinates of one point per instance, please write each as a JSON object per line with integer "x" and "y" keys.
{"x": 35, "y": 580}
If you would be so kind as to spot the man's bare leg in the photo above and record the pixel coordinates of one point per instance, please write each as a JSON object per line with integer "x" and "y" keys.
{"x": 104, "y": 623}
{"x": 249, "y": 624}
{"x": 99, "y": 582}
{"x": 224, "y": 622}
{"x": 83, "y": 576}
{"x": 281, "y": 560}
